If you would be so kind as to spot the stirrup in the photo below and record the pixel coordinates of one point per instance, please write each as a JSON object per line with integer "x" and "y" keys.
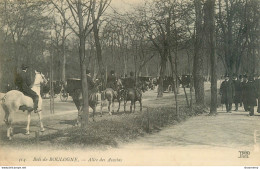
{"x": 37, "y": 111}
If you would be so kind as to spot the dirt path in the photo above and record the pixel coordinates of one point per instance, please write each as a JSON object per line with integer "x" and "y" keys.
{"x": 201, "y": 140}
{"x": 227, "y": 130}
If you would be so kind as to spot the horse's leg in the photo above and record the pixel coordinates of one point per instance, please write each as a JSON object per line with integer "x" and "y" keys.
{"x": 141, "y": 106}
{"x": 118, "y": 105}
{"x": 79, "y": 116}
{"x": 94, "y": 111}
{"x": 28, "y": 123}
{"x": 9, "y": 125}
{"x": 40, "y": 114}
{"x": 109, "y": 107}
{"x": 134, "y": 105}
{"x": 101, "y": 107}
{"x": 40, "y": 120}
{"x": 113, "y": 105}
{"x": 131, "y": 106}
{"x": 124, "y": 104}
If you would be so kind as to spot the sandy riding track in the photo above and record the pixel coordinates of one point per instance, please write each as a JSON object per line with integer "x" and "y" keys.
{"x": 200, "y": 140}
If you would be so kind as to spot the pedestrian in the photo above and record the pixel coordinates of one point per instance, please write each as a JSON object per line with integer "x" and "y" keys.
{"x": 227, "y": 93}
{"x": 238, "y": 91}
{"x": 251, "y": 95}
{"x": 244, "y": 92}
{"x": 257, "y": 84}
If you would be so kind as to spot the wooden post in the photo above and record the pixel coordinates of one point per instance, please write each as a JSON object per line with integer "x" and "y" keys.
{"x": 148, "y": 121}
{"x": 51, "y": 83}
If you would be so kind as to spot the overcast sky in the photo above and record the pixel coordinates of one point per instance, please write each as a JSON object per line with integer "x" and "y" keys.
{"x": 124, "y": 5}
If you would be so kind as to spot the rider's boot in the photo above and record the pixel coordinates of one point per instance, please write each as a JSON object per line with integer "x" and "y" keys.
{"x": 35, "y": 101}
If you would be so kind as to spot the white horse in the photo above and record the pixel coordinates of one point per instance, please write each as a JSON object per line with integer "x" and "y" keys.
{"x": 14, "y": 100}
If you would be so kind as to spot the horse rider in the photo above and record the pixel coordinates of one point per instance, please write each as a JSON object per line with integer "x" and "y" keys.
{"x": 24, "y": 82}
{"x": 227, "y": 93}
{"x": 91, "y": 86}
{"x": 111, "y": 80}
{"x": 131, "y": 84}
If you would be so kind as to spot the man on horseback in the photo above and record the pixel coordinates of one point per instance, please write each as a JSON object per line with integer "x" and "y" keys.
{"x": 131, "y": 84}
{"x": 24, "y": 82}
{"x": 91, "y": 86}
{"x": 111, "y": 81}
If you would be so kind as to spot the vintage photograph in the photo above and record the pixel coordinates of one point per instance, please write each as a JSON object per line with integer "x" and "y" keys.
{"x": 130, "y": 83}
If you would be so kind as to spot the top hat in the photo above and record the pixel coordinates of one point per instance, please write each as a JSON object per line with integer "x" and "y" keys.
{"x": 24, "y": 66}
{"x": 131, "y": 73}
{"x": 87, "y": 71}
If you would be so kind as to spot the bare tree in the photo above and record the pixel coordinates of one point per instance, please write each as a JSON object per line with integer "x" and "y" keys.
{"x": 81, "y": 23}
{"x": 209, "y": 20}
{"x": 198, "y": 54}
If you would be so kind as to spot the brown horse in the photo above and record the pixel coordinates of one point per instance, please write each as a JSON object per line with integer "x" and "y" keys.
{"x": 132, "y": 95}
{"x": 111, "y": 95}
{"x": 78, "y": 100}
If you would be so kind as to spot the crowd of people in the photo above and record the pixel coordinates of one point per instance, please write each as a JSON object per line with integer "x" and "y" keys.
{"x": 241, "y": 90}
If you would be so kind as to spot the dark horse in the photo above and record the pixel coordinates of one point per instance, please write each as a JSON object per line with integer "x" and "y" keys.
{"x": 111, "y": 95}
{"x": 78, "y": 100}
{"x": 133, "y": 95}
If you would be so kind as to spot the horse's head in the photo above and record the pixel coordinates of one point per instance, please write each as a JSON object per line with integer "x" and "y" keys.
{"x": 39, "y": 78}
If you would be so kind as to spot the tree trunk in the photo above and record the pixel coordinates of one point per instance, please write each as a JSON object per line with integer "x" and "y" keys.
{"x": 63, "y": 60}
{"x": 211, "y": 36}
{"x": 98, "y": 47}
{"x": 85, "y": 108}
{"x": 162, "y": 73}
{"x": 198, "y": 55}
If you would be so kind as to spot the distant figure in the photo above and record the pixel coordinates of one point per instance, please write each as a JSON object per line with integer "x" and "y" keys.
{"x": 238, "y": 92}
{"x": 257, "y": 84}
{"x": 91, "y": 83}
{"x": 24, "y": 82}
{"x": 251, "y": 95}
{"x": 244, "y": 92}
{"x": 227, "y": 93}
{"x": 111, "y": 80}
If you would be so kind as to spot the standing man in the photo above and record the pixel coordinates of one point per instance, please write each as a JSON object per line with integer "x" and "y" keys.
{"x": 227, "y": 93}
{"x": 257, "y": 83}
{"x": 238, "y": 92}
{"x": 24, "y": 82}
{"x": 251, "y": 95}
{"x": 244, "y": 92}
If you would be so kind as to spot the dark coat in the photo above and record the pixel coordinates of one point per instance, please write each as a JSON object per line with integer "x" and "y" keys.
{"x": 227, "y": 92}
{"x": 250, "y": 93}
{"x": 257, "y": 86}
{"x": 23, "y": 81}
{"x": 111, "y": 82}
{"x": 129, "y": 83}
{"x": 91, "y": 83}
{"x": 238, "y": 91}
{"x": 244, "y": 91}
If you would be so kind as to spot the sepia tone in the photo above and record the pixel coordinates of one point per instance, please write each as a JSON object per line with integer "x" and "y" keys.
{"x": 129, "y": 82}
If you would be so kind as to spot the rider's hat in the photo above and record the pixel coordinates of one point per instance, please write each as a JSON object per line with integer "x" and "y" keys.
{"x": 112, "y": 72}
{"x": 226, "y": 75}
{"x": 24, "y": 66}
{"x": 87, "y": 71}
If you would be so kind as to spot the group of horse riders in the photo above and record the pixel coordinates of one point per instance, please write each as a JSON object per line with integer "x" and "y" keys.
{"x": 241, "y": 90}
